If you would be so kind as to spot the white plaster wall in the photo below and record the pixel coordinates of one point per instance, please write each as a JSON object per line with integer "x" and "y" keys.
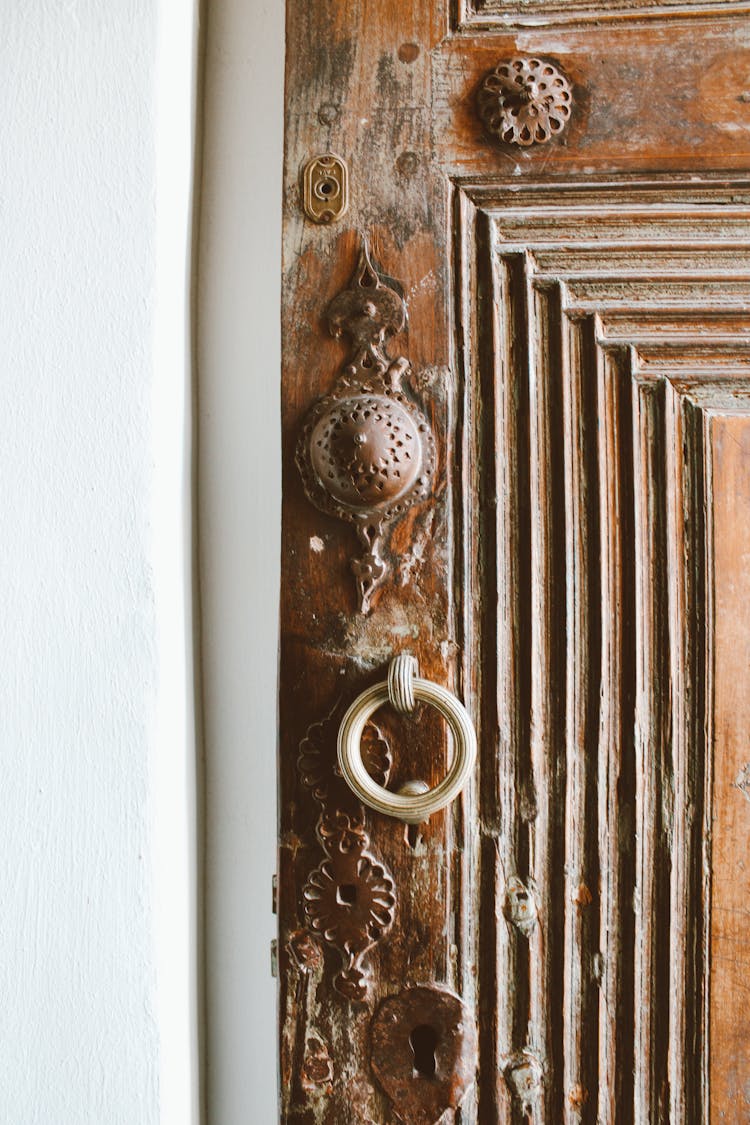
{"x": 239, "y": 507}
{"x": 97, "y": 851}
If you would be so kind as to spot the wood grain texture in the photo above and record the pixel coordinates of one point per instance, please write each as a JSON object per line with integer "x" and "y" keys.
{"x": 728, "y": 439}
{"x": 577, "y": 316}
{"x": 348, "y": 92}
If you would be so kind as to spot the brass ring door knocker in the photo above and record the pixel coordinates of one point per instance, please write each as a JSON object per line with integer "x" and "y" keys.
{"x": 402, "y": 688}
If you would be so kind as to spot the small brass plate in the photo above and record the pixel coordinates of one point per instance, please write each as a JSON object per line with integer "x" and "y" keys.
{"x": 326, "y": 188}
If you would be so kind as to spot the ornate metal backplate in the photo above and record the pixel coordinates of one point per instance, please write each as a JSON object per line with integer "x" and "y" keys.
{"x": 350, "y": 898}
{"x": 366, "y": 452}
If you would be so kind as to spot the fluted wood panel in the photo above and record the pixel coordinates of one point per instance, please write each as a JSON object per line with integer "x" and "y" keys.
{"x": 603, "y": 328}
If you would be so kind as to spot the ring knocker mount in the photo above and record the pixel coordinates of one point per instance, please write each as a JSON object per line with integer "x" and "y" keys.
{"x": 415, "y": 802}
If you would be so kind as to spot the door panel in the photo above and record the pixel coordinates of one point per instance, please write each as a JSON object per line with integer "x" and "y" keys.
{"x": 579, "y": 341}
{"x": 602, "y": 415}
{"x": 542, "y": 13}
{"x": 668, "y": 96}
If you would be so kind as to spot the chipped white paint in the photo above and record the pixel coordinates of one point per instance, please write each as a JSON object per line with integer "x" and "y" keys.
{"x": 97, "y": 941}
{"x": 742, "y": 781}
{"x": 426, "y": 283}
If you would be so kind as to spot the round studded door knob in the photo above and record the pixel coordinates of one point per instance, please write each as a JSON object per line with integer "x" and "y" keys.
{"x": 367, "y": 451}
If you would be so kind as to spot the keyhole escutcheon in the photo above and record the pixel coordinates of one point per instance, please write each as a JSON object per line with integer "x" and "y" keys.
{"x": 424, "y": 1051}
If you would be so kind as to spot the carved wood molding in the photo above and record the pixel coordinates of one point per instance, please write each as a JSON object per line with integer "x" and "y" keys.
{"x": 489, "y": 15}
{"x": 626, "y": 347}
{"x": 366, "y": 452}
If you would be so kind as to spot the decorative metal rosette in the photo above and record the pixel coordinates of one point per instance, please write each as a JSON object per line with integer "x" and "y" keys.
{"x": 369, "y": 455}
{"x": 525, "y": 101}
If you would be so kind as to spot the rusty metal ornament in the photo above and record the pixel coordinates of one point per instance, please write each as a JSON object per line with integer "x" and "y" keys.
{"x": 349, "y": 899}
{"x": 366, "y": 452}
{"x": 525, "y": 101}
{"x": 424, "y": 1052}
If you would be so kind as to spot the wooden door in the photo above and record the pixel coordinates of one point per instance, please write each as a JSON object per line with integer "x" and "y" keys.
{"x": 549, "y": 220}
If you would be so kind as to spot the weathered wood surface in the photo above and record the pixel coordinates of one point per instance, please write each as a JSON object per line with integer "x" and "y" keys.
{"x": 729, "y": 948}
{"x": 579, "y": 336}
{"x": 346, "y": 92}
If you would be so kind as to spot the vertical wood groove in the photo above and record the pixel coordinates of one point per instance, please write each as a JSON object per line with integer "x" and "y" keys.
{"x": 510, "y": 456}
{"x": 616, "y": 779}
{"x": 495, "y": 1013}
{"x": 688, "y": 660}
{"x": 504, "y": 541}
{"x": 547, "y": 643}
{"x": 654, "y": 794}
{"x": 467, "y": 888}
{"x": 582, "y": 722}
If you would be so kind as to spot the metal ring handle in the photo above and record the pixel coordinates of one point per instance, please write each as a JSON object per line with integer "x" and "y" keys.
{"x": 413, "y": 808}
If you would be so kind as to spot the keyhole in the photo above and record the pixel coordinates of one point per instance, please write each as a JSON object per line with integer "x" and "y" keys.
{"x": 346, "y": 894}
{"x": 423, "y": 1041}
